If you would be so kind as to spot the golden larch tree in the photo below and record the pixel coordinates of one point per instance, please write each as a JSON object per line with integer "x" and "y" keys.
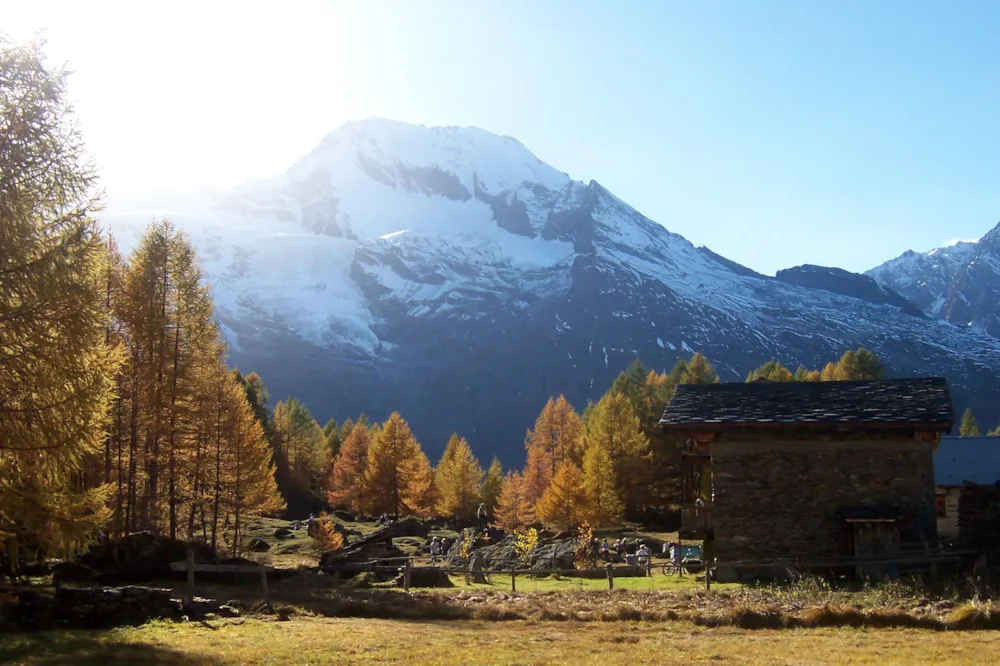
{"x": 537, "y": 472}
{"x": 459, "y": 480}
{"x": 614, "y": 427}
{"x": 513, "y": 511}
{"x": 57, "y": 367}
{"x": 604, "y": 505}
{"x": 346, "y": 489}
{"x": 564, "y": 504}
{"x": 393, "y": 481}
{"x": 492, "y": 485}
{"x": 559, "y": 431}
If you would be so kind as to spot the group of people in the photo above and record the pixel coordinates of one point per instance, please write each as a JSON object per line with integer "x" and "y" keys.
{"x": 631, "y": 551}
{"x": 437, "y": 548}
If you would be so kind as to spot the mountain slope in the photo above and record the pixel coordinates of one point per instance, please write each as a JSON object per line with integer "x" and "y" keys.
{"x": 959, "y": 283}
{"x": 449, "y": 274}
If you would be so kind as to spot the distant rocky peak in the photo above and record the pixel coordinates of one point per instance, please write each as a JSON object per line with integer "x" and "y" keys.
{"x": 839, "y": 281}
{"x": 990, "y": 240}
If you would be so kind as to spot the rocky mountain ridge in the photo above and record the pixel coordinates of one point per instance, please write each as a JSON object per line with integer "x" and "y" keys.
{"x": 451, "y": 275}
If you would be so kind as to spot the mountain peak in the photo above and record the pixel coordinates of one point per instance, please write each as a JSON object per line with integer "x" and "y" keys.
{"x": 392, "y": 151}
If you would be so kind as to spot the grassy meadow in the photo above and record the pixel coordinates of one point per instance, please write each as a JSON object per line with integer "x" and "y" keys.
{"x": 310, "y": 640}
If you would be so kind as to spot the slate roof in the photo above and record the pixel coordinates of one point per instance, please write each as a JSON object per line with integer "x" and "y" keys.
{"x": 972, "y": 459}
{"x": 884, "y": 402}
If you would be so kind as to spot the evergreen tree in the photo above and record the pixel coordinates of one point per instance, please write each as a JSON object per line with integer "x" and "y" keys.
{"x": 604, "y": 506}
{"x": 257, "y": 397}
{"x": 867, "y": 365}
{"x": 492, "y": 485}
{"x": 801, "y": 374}
{"x": 647, "y": 391}
{"x": 564, "y": 504}
{"x": 615, "y": 428}
{"x": 459, "y": 481}
{"x": 56, "y": 366}
{"x": 300, "y": 447}
{"x": 514, "y": 512}
{"x": 346, "y": 489}
{"x": 678, "y": 371}
{"x": 699, "y": 371}
{"x": 773, "y": 371}
{"x": 331, "y": 435}
{"x": 969, "y": 427}
{"x": 632, "y": 384}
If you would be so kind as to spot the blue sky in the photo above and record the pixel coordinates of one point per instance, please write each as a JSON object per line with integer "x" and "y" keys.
{"x": 776, "y": 133}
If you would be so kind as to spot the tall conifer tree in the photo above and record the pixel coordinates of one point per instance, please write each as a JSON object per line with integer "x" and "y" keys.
{"x": 57, "y": 364}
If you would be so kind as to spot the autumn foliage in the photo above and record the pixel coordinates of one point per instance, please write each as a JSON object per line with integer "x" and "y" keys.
{"x": 120, "y": 414}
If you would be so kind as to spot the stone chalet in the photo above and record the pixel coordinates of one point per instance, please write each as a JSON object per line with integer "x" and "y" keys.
{"x": 774, "y": 470}
{"x": 960, "y": 465}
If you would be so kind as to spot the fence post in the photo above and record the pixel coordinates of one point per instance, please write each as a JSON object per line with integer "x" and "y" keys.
{"x": 708, "y": 577}
{"x": 264, "y": 590}
{"x": 190, "y": 573}
{"x": 611, "y": 578}
{"x": 407, "y": 567}
{"x": 513, "y": 582}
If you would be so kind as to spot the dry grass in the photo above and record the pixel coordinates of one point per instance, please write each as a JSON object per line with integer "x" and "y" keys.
{"x": 358, "y": 641}
{"x": 975, "y": 616}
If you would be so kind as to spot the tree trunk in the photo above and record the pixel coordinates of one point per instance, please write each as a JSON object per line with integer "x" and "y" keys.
{"x": 218, "y": 469}
{"x": 238, "y": 489}
{"x": 133, "y": 449}
{"x": 120, "y": 504}
{"x": 196, "y": 485}
{"x": 172, "y": 444}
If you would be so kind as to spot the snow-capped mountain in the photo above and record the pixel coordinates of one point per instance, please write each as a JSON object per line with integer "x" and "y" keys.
{"x": 451, "y": 275}
{"x": 959, "y": 283}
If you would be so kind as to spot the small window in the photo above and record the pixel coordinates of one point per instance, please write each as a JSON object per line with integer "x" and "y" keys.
{"x": 941, "y": 505}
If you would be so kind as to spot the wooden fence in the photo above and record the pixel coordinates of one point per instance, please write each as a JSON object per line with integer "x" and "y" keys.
{"x": 404, "y": 566}
{"x": 191, "y": 567}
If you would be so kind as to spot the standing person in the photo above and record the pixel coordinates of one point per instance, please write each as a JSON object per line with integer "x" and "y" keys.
{"x": 604, "y": 550}
{"x": 481, "y": 515}
{"x": 435, "y": 550}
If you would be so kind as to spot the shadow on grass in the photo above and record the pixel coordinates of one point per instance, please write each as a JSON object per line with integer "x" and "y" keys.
{"x": 89, "y": 648}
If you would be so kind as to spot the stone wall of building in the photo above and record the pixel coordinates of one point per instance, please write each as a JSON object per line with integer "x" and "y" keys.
{"x": 776, "y": 499}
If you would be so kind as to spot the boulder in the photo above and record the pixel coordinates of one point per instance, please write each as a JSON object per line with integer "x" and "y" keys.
{"x": 71, "y": 572}
{"x": 283, "y": 533}
{"x": 346, "y": 516}
{"x": 783, "y": 572}
{"x": 258, "y": 545}
{"x": 503, "y": 555}
{"x": 143, "y": 548}
{"x": 426, "y": 577}
{"x": 410, "y": 527}
{"x": 724, "y": 574}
